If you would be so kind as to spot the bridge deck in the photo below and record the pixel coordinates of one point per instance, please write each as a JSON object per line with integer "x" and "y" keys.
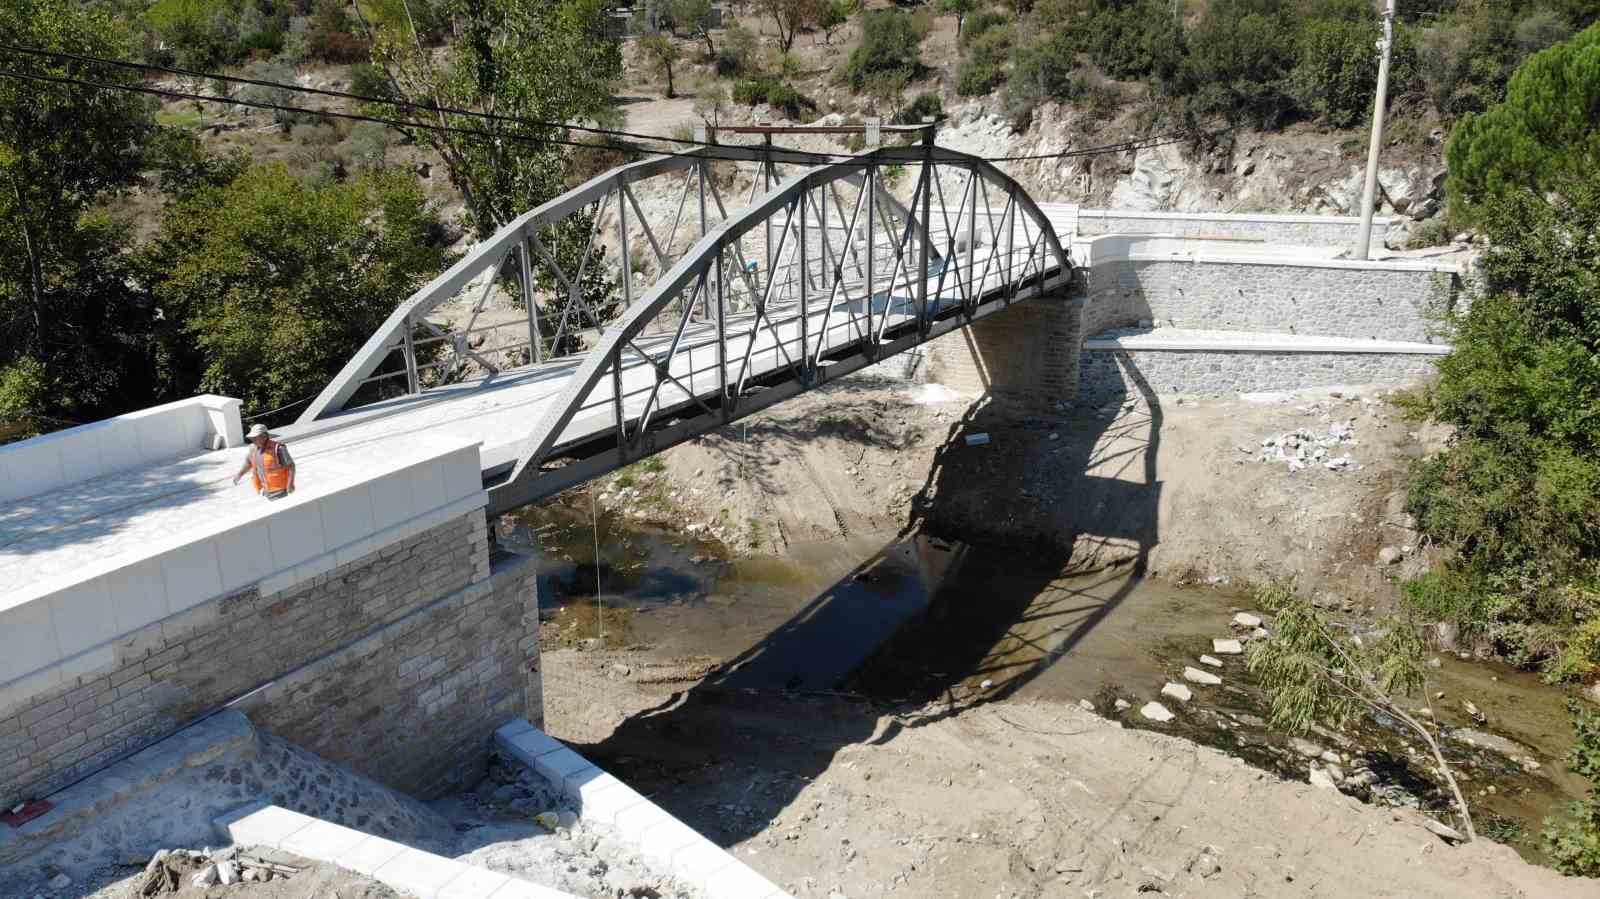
{"x": 94, "y": 523}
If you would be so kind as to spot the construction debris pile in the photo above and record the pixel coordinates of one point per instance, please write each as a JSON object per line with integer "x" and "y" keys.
{"x": 1304, "y": 448}
{"x": 171, "y": 870}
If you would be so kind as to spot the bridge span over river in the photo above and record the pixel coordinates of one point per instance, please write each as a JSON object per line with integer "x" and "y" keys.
{"x": 142, "y": 589}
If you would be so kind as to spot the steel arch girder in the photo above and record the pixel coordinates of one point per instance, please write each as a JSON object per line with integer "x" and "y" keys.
{"x": 491, "y": 252}
{"x": 543, "y": 439}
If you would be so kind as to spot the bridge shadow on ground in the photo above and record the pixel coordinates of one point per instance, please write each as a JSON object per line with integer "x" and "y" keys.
{"x": 859, "y": 664}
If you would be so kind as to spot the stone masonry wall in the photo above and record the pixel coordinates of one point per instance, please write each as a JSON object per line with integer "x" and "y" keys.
{"x": 413, "y": 704}
{"x": 1313, "y": 231}
{"x": 1113, "y": 374}
{"x": 1376, "y": 303}
{"x": 1025, "y": 356}
{"x": 168, "y": 673}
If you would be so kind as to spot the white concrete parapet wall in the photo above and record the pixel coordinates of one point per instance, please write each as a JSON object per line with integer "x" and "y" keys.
{"x": 1093, "y": 251}
{"x": 58, "y": 627}
{"x": 659, "y": 837}
{"x": 1305, "y": 230}
{"x": 408, "y": 870}
{"x": 158, "y": 434}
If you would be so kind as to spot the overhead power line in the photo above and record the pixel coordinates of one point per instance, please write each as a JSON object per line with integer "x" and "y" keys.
{"x": 344, "y": 95}
{"x": 616, "y": 135}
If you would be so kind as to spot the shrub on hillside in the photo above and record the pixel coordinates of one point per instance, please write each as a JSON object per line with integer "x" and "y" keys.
{"x": 890, "y": 41}
{"x": 984, "y": 69}
{"x": 1040, "y": 71}
{"x": 1336, "y": 75}
{"x": 1574, "y": 843}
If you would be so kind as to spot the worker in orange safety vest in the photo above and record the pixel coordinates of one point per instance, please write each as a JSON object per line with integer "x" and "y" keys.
{"x": 269, "y": 464}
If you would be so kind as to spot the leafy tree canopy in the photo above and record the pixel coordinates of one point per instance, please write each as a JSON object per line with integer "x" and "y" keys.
{"x": 277, "y": 282}
{"x": 1545, "y": 134}
{"x": 531, "y": 59}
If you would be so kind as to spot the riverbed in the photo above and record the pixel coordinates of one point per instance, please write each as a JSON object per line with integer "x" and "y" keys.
{"x": 918, "y": 619}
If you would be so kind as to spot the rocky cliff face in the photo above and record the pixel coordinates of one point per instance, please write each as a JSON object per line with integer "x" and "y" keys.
{"x": 1299, "y": 170}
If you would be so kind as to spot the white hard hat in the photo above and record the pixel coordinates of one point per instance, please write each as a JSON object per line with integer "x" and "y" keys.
{"x": 257, "y": 430}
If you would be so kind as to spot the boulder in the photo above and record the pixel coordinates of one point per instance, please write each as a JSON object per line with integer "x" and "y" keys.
{"x": 1197, "y": 676}
{"x": 1305, "y": 747}
{"x": 1227, "y": 647}
{"x": 1156, "y": 712}
{"x": 1390, "y": 555}
{"x": 1247, "y": 621}
{"x": 1322, "y": 779}
{"x": 1177, "y": 691}
{"x": 1213, "y": 661}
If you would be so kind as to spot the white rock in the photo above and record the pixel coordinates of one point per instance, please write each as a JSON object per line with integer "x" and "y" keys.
{"x": 1177, "y": 691}
{"x": 206, "y": 877}
{"x": 1389, "y": 555}
{"x": 227, "y": 873}
{"x": 1329, "y": 756}
{"x": 1122, "y": 705}
{"x": 1305, "y": 747}
{"x": 1213, "y": 661}
{"x": 1195, "y": 675}
{"x": 1247, "y": 620}
{"x": 1443, "y": 830}
{"x": 1227, "y": 647}
{"x": 1322, "y": 779}
{"x": 1157, "y": 712}
{"x": 1086, "y": 705}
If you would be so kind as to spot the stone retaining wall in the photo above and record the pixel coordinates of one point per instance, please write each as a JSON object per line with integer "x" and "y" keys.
{"x": 1114, "y": 374}
{"x": 1379, "y": 301}
{"x": 423, "y": 615}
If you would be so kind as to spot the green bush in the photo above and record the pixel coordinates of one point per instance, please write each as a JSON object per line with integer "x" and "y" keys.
{"x": 771, "y": 90}
{"x": 1573, "y": 844}
{"x": 1239, "y": 58}
{"x": 1040, "y": 71}
{"x": 890, "y": 41}
{"x": 978, "y": 79}
{"x": 925, "y": 106}
{"x": 981, "y": 23}
{"x": 1336, "y": 78}
{"x": 1516, "y": 496}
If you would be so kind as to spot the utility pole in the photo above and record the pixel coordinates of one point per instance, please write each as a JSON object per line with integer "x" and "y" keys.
{"x": 1368, "y": 194}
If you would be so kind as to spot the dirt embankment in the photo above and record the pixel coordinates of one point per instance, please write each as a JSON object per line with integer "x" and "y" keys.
{"x": 829, "y": 797}
{"x": 1183, "y": 489}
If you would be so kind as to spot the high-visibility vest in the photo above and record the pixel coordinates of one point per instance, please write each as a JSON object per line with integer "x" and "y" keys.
{"x": 270, "y": 467}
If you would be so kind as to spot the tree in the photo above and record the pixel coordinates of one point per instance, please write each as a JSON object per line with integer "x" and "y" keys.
{"x": 1337, "y": 72}
{"x": 791, "y": 16}
{"x": 278, "y": 282}
{"x": 660, "y": 52}
{"x": 69, "y": 318}
{"x": 694, "y": 16}
{"x": 1313, "y": 676}
{"x": 890, "y": 41}
{"x": 834, "y": 15}
{"x": 532, "y": 60}
{"x": 711, "y": 101}
{"x": 959, "y": 9}
{"x": 1546, "y": 132}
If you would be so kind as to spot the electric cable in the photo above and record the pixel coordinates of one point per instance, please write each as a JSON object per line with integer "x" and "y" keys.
{"x": 1119, "y": 147}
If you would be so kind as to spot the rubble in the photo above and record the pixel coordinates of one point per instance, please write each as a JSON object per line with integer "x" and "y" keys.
{"x": 1304, "y": 448}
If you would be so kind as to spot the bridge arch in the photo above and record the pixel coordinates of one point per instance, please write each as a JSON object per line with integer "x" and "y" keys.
{"x": 850, "y": 278}
{"x": 559, "y": 243}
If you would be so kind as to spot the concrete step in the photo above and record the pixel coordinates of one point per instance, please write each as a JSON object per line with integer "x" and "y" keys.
{"x": 1180, "y": 361}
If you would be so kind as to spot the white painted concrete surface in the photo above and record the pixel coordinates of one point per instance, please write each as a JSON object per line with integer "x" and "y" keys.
{"x": 129, "y": 442}
{"x": 659, "y": 837}
{"x": 84, "y": 565}
{"x": 1194, "y": 340}
{"x": 412, "y": 871}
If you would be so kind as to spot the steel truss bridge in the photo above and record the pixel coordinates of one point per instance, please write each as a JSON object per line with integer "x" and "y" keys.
{"x": 821, "y": 272}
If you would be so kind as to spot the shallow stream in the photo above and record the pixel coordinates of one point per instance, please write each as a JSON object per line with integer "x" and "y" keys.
{"x": 920, "y": 619}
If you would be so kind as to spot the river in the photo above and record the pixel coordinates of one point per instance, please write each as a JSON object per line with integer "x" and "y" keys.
{"x": 920, "y": 619}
